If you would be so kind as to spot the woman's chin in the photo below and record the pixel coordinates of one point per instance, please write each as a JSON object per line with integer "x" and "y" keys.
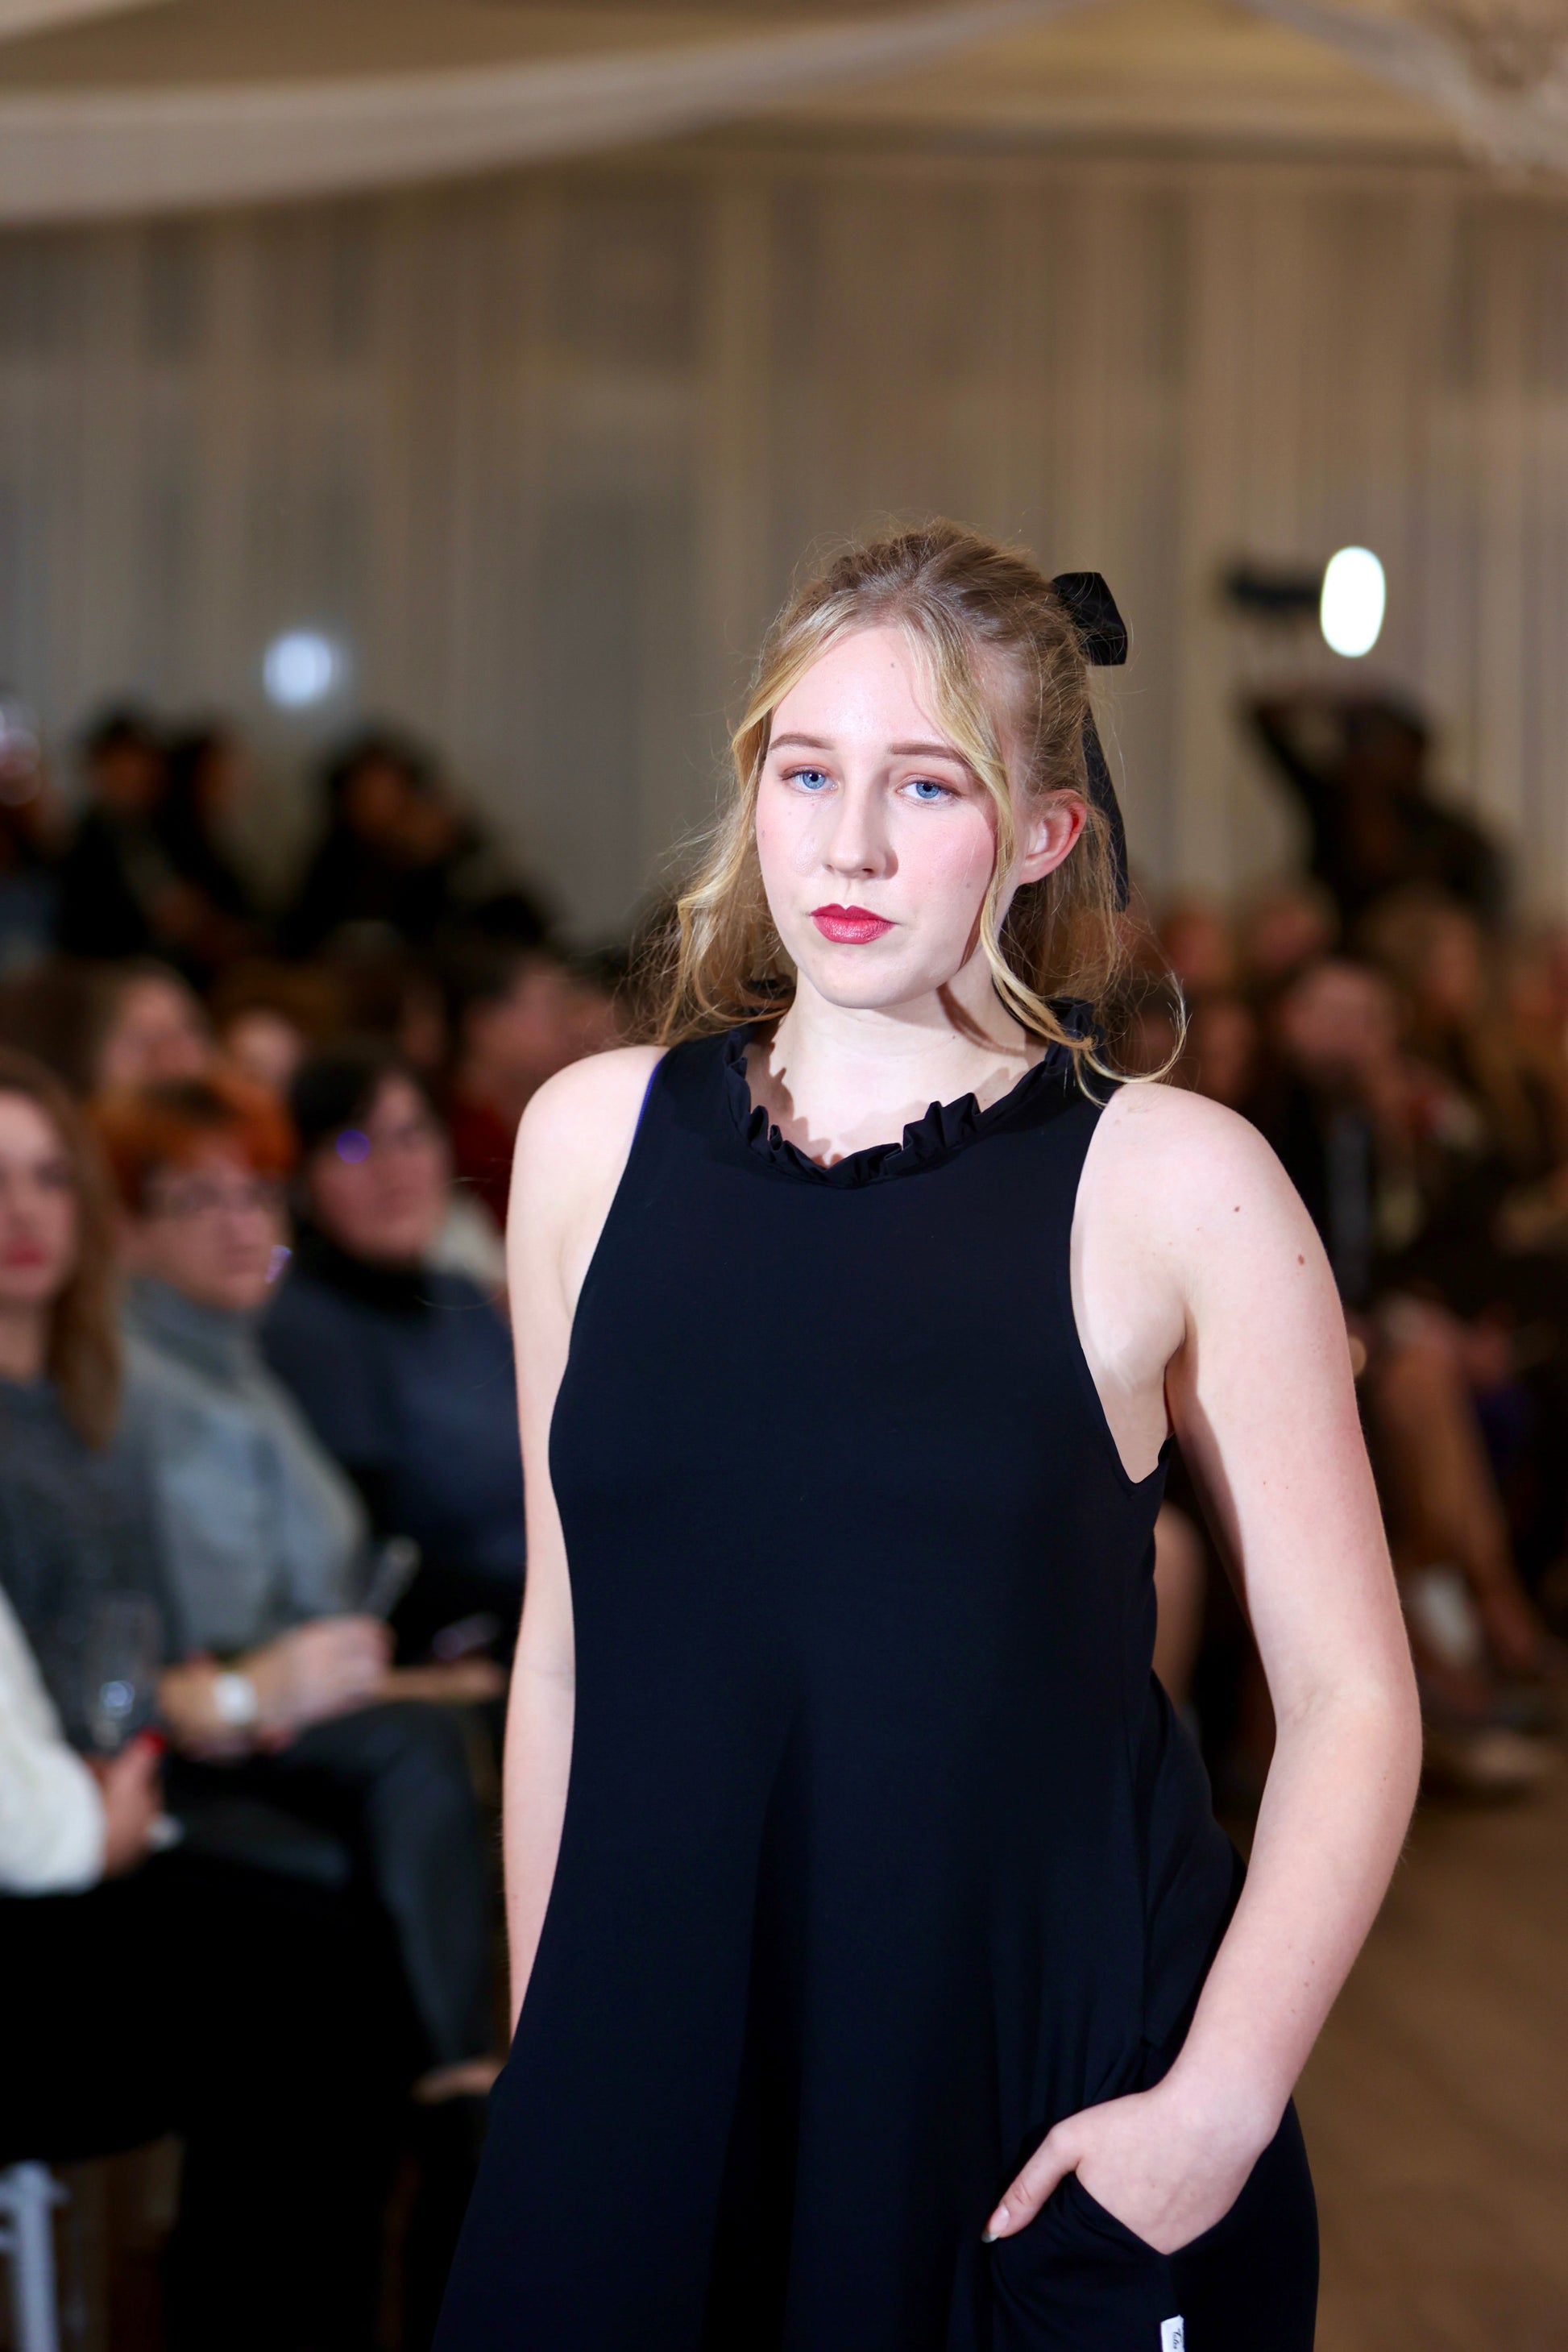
{"x": 857, "y": 981}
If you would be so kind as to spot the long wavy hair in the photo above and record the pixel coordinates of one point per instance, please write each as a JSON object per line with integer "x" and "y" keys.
{"x": 1009, "y": 682}
{"x": 83, "y": 1355}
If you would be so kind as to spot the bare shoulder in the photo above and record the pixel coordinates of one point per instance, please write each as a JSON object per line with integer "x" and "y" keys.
{"x": 1180, "y": 1171}
{"x": 584, "y": 1112}
{"x": 1165, "y": 1128}
{"x": 577, "y": 1131}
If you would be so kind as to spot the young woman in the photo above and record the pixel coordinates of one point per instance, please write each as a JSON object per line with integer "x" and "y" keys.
{"x": 888, "y": 1985}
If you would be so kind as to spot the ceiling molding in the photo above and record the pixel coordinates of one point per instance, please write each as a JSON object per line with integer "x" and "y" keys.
{"x": 97, "y": 154}
{"x": 20, "y": 18}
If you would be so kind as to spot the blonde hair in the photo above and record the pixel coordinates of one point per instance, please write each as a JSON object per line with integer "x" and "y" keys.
{"x": 1005, "y": 660}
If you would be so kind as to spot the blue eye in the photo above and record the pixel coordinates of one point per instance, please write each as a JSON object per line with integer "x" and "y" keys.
{"x": 927, "y": 789}
{"x": 810, "y": 780}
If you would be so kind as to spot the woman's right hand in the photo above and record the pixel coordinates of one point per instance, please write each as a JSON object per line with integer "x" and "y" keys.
{"x": 317, "y": 1671}
{"x": 131, "y": 1785}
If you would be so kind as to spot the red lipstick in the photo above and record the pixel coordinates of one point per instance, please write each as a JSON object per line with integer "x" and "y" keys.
{"x": 850, "y": 927}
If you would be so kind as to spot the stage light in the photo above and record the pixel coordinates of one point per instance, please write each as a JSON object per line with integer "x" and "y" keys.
{"x": 301, "y": 667}
{"x": 1353, "y": 599}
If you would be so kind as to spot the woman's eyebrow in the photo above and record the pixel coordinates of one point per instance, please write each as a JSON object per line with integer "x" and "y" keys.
{"x": 896, "y": 750}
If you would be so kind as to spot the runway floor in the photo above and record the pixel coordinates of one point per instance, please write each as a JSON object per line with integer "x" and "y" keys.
{"x": 1436, "y": 2106}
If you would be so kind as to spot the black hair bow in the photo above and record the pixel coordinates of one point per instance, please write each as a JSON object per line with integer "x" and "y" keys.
{"x": 1103, "y": 634}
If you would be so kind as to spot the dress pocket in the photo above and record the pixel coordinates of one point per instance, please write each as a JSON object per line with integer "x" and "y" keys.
{"x": 1079, "y": 2280}
{"x": 1077, "y": 2277}
{"x": 1097, "y": 2216}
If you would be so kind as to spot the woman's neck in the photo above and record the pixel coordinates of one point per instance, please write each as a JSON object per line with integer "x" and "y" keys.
{"x": 836, "y": 1078}
{"x": 24, "y": 1342}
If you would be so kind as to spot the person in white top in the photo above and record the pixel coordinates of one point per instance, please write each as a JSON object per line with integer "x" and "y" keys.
{"x": 65, "y": 1822}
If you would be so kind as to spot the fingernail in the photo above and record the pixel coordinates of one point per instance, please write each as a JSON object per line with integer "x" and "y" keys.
{"x": 995, "y": 2227}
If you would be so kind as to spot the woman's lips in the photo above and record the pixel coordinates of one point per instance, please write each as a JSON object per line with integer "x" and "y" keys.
{"x": 851, "y": 927}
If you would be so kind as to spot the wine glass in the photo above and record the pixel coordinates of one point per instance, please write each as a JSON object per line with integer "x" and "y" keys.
{"x": 121, "y": 1651}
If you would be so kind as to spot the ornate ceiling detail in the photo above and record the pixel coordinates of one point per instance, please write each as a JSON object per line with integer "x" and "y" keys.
{"x": 1512, "y": 45}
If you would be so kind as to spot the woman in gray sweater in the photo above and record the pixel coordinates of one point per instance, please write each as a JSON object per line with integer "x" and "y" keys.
{"x": 280, "y": 1687}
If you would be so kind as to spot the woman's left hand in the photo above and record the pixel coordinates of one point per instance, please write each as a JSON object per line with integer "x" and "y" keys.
{"x": 1164, "y": 2168}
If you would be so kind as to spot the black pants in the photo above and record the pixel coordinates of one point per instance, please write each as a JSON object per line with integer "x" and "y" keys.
{"x": 1079, "y": 2278}
{"x": 393, "y": 1783}
{"x": 251, "y": 2017}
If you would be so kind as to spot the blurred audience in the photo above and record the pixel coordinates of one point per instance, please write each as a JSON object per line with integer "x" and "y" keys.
{"x": 402, "y": 1367}
{"x": 278, "y": 1678}
{"x": 1358, "y": 766}
{"x": 1224, "y": 1049}
{"x": 206, "y": 777}
{"x": 390, "y": 850}
{"x": 516, "y": 1014}
{"x": 268, "y": 1015}
{"x": 141, "y": 1992}
{"x": 1281, "y": 930}
{"x": 142, "y": 875}
{"x": 106, "y": 1025}
{"x": 1199, "y": 947}
{"x": 312, "y": 1471}
{"x": 1411, "y": 1109}
{"x": 118, "y": 894}
{"x": 33, "y": 836}
{"x": 75, "y": 1515}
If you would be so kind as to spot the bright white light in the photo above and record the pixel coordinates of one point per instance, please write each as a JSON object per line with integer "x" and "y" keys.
{"x": 301, "y": 667}
{"x": 1354, "y": 597}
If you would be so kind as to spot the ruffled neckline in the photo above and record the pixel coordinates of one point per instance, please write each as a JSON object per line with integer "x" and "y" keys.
{"x": 946, "y": 1129}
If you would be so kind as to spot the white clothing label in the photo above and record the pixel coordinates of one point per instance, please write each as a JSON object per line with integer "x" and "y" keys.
{"x": 1173, "y": 2335}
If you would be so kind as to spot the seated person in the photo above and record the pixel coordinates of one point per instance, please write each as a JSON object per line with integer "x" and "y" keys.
{"x": 143, "y": 1995}
{"x": 404, "y": 1372}
{"x": 74, "y": 1517}
{"x": 516, "y": 1012}
{"x": 389, "y": 852}
{"x": 103, "y": 1025}
{"x": 281, "y": 1691}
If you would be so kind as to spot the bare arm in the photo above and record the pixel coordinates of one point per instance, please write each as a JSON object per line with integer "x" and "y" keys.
{"x": 1200, "y": 1260}
{"x": 571, "y": 1149}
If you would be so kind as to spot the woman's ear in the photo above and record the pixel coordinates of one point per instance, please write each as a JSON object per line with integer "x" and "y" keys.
{"x": 1047, "y": 835}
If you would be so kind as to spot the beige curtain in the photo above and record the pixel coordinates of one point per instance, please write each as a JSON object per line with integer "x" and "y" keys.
{"x": 544, "y": 453}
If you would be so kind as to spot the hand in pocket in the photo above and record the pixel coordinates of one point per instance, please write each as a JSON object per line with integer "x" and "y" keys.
{"x": 1164, "y": 2168}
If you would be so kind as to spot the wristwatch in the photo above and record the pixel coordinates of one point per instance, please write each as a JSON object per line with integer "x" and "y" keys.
{"x": 235, "y": 1702}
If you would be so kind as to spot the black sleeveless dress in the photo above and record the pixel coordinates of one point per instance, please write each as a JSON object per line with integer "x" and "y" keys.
{"x": 883, "y": 1848}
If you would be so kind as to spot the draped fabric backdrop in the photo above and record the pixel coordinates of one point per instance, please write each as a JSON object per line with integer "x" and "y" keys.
{"x": 542, "y": 452}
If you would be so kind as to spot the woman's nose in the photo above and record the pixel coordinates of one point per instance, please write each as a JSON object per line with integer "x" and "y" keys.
{"x": 857, "y": 841}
